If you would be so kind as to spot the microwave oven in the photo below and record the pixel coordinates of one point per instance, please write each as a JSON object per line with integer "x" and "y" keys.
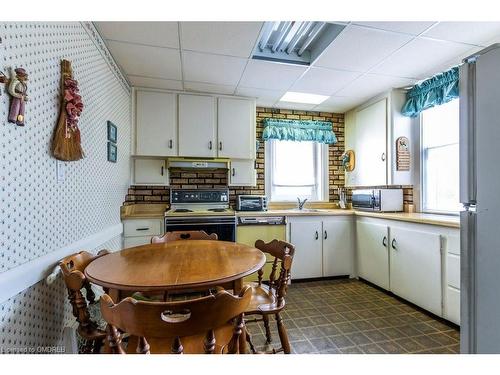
{"x": 251, "y": 203}
{"x": 380, "y": 200}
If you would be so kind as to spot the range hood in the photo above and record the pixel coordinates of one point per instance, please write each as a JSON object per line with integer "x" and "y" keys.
{"x": 197, "y": 163}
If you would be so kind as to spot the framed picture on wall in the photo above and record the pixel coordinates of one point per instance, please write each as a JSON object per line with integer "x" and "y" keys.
{"x": 112, "y": 152}
{"x": 112, "y": 132}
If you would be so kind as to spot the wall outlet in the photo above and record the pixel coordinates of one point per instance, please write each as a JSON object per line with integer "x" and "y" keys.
{"x": 60, "y": 171}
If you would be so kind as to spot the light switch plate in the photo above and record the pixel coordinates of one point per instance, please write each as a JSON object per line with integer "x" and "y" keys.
{"x": 60, "y": 171}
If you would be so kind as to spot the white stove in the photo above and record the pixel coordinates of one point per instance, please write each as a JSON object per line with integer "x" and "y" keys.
{"x": 201, "y": 209}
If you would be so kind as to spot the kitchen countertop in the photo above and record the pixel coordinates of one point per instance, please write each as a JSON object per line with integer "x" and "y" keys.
{"x": 154, "y": 211}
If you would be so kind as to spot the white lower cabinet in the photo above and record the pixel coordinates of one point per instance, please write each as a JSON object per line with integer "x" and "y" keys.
{"x": 337, "y": 246}
{"x": 415, "y": 267}
{"x": 323, "y": 246}
{"x": 373, "y": 253}
{"x": 452, "y": 279}
{"x": 138, "y": 232}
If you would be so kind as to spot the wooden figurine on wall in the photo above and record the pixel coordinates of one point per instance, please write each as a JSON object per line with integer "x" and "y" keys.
{"x": 17, "y": 88}
{"x": 66, "y": 143}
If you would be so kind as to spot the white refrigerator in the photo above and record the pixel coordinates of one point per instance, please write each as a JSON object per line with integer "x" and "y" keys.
{"x": 480, "y": 196}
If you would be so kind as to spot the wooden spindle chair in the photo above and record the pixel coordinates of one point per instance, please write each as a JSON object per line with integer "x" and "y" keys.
{"x": 268, "y": 296}
{"x": 73, "y": 268}
{"x": 184, "y": 235}
{"x": 174, "y": 322}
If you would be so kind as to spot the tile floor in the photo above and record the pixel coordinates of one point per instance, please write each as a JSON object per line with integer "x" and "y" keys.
{"x": 351, "y": 316}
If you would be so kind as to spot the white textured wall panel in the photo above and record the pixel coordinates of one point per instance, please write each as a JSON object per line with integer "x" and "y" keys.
{"x": 39, "y": 215}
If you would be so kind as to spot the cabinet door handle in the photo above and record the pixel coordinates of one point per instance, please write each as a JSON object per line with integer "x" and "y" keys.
{"x": 233, "y": 172}
{"x": 384, "y": 241}
{"x": 170, "y": 144}
{"x": 393, "y": 244}
{"x": 326, "y": 235}
{"x": 317, "y": 235}
{"x": 162, "y": 169}
{"x": 220, "y": 146}
{"x": 383, "y": 156}
{"x": 210, "y": 145}
{"x": 142, "y": 229}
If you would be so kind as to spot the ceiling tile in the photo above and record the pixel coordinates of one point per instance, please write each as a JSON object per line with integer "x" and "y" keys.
{"x": 338, "y": 104}
{"x": 261, "y": 102}
{"x": 156, "y": 83}
{"x": 163, "y": 34}
{"x": 215, "y": 69}
{"x": 271, "y": 95}
{"x": 409, "y": 27}
{"x": 360, "y": 48}
{"x": 323, "y": 81}
{"x": 466, "y": 32}
{"x": 210, "y": 88}
{"x": 371, "y": 85}
{"x": 270, "y": 75}
{"x": 415, "y": 58}
{"x": 225, "y": 38}
{"x": 147, "y": 61}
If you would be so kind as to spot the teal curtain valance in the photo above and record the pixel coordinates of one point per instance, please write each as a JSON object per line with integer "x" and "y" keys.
{"x": 437, "y": 90}
{"x": 299, "y": 130}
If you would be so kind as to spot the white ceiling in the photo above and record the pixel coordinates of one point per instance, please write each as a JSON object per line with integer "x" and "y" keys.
{"x": 366, "y": 59}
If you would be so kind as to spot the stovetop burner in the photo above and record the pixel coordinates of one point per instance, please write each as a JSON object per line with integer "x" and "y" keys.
{"x": 183, "y": 210}
{"x": 217, "y": 210}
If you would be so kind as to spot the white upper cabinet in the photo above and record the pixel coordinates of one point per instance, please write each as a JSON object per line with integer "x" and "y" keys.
{"x": 156, "y": 123}
{"x": 197, "y": 126}
{"x": 242, "y": 173}
{"x": 236, "y": 128}
{"x": 371, "y": 144}
{"x": 371, "y": 130}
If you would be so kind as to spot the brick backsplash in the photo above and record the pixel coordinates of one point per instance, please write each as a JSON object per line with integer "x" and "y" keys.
{"x": 190, "y": 179}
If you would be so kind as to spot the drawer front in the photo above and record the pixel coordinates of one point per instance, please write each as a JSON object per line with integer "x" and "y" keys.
{"x": 453, "y": 305}
{"x": 453, "y": 270}
{"x": 142, "y": 227}
{"x": 136, "y": 241}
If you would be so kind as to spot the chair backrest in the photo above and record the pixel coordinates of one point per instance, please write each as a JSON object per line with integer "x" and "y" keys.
{"x": 283, "y": 254}
{"x": 175, "y": 319}
{"x": 72, "y": 268}
{"x": 184, "y": 235}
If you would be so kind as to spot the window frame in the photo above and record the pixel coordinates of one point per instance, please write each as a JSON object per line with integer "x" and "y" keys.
{"x": 321, "y": 160}
{"x": 421, "y": 181}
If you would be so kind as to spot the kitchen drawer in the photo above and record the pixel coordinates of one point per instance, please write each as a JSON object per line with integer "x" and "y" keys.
{"x": 453, "y": 270}
{"x": 136, "y": 241}
{"x": 142, "y": 227}
{"x": 453, "y": 305}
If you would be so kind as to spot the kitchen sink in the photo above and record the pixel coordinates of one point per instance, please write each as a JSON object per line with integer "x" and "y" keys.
{"x": 305, "y": 210}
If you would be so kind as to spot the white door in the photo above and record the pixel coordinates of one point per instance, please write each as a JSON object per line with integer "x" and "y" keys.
{"x": 305, "y": 235}
{"x": 371, "y": 145}
{"x": 156, "y": 123}
{"x": 236, "y": 128}
{"x": 150, "y": 172}
{"x": 415, "y": 258}
{"x": 242, "y": 173}
{"x": 197, "y": 135}
{"x": 373, "y": 253}
{"x": 338, "y": 246}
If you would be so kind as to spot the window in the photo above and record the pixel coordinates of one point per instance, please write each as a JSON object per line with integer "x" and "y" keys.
{"x": 440, "y": 158}
{"x": 296, "y": 169}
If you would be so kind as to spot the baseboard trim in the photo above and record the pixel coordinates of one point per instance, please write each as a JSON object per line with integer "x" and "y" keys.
{"x": 17, "y": 279}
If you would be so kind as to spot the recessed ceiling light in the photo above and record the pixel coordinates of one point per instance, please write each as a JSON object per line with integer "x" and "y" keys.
{"x": 300, "y": 97}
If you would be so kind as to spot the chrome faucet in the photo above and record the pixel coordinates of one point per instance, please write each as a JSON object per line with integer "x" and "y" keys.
{"x": 301, "y": 203}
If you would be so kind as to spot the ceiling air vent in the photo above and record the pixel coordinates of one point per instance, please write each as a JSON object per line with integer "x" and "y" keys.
{"x": 295, "y": 42}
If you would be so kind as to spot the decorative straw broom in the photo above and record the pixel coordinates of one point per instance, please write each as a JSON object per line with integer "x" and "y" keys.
{"x": 66, "y": 144}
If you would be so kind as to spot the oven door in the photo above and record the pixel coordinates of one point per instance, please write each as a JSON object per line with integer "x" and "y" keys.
{"x": 223, "y": 226}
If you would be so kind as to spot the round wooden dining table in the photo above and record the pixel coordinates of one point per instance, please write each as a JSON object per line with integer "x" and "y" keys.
{"x": 177, "y": 265}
